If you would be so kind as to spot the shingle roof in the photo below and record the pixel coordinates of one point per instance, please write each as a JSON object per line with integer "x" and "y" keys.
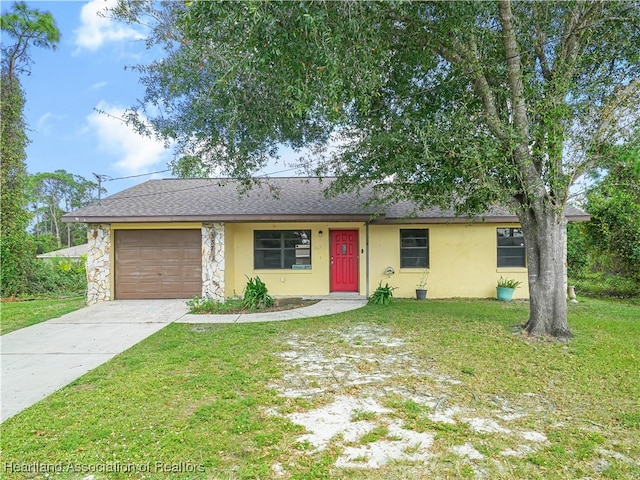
{"x": 278, "y": 199}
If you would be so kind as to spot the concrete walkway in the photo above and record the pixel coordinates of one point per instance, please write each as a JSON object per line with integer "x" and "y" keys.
{"x": 323, "y": 307}
{"x": 40, "y": 359}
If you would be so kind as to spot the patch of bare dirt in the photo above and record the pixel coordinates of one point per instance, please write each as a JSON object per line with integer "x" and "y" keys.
{"x": 360, "y": 375}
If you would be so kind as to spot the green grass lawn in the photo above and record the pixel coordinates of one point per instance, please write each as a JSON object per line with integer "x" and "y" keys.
{"x": 475, "y": 399}
{"x": 17, "y": 315}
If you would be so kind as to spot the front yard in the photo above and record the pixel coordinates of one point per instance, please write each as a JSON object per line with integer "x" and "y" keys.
{"x": 17, "y": 315}
{"x": 435, "y": 389}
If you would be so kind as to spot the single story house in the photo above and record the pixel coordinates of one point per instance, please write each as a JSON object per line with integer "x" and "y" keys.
{"x": 179, "y": 238}
{"x": 74, "y": 253}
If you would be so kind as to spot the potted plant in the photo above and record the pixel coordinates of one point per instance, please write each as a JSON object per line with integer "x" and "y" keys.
{"x": 421, "y": 287}
{"x": 506, "y": 287}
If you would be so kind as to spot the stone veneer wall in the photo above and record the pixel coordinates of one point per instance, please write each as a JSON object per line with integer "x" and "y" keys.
{"x": 98, "y": 263}
{"x": 213, "y": 261}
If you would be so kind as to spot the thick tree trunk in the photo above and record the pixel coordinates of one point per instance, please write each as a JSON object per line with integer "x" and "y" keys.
{"x": 545, "y": 234}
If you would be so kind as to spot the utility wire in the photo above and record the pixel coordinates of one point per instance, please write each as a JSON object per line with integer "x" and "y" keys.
{"x": 109, "y": 179}
{"x": 106, "y": 178}
{"x": 191, "y": 187}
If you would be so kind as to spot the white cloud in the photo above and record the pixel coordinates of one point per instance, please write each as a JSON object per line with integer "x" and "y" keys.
{"x": 133, "y": 153}
{"x": 47, "y": 122}
{"x": 98, "y": 85}
{"x": 97, "y": 28}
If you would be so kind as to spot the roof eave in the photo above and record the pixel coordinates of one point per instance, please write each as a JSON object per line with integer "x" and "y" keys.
{"x": 476, "y": 219}
{"x": 378, "y": 220}
{"x": 579, "y": 218}
{"x": 217, "y": 218}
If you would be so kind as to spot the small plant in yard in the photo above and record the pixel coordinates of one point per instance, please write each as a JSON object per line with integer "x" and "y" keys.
{"x": 200, "y": 305}
{"x": 206, "y": 305}
{"x": 256, "y": 295}
{"x": 374, "y": 435}
{"x": 382, "y": 295}
{"x": 362, "y": 415}
{"x": 508, "y": 283}
{"x": 422, "y": 284}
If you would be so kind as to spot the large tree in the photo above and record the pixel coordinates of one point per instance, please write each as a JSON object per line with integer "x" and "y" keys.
{"x": 23, "y": 27}
{"x": 53, "y": 194}
{"x": 444, "y": 103}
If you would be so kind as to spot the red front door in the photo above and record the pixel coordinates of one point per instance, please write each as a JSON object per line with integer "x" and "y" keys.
{"x": 344, "y": 260}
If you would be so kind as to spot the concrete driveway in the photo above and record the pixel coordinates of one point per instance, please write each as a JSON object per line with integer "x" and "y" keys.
{"x": 38, "y": 360}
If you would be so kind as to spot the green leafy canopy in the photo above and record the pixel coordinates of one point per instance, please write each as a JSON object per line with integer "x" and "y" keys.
{"x": 419, "y": 97}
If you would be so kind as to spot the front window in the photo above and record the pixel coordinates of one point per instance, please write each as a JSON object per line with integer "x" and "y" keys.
{"x": 511, "y": 252}
{"x": 282, "y": 249}
{"x": 414, "y": 248}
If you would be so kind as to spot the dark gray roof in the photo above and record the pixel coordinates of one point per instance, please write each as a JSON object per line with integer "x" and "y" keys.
{"x": 274, "y": 199}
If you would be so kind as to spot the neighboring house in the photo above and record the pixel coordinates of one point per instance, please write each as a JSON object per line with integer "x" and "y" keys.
{"x": 179, "y": 238}
{"x": 75, "y": 253}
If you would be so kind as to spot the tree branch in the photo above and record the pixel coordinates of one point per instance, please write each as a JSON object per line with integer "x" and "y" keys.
{"x": 531, "y": 177}
{"x": 514, "y": 69}
{"x": 480, "y": 84}
{"x": 538, "y": 45}
{"x": 569, "y": 44}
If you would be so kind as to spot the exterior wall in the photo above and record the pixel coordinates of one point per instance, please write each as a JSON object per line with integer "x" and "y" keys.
{"x": 98, "y": 263}
{"x": 462, "y": 261}
{"x": 288, "y": 282}
{"x": 230, "y": 273}
{"x": 213, "y": 261}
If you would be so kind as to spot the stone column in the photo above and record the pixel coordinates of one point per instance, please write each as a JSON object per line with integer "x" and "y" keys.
{"x": 98, "y": 263}
{"x": 213, "y": 261}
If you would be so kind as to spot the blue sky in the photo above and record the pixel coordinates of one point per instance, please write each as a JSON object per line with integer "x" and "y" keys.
{"x": 85, "y": 74}
{"x": 66, "y": 86}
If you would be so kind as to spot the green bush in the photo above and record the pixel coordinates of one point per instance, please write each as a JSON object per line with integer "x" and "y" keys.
{"x": 382, "y": 295}
{"x": 56, "y": 276}
{"x": 577, "y": 249}
{"x": 614, "y": 205}
{"x": 256, "y": 295}
{"x": 200, "y": 305}
{"x": 606, "y": 285}
{"x": 16, "y": 254}
{"x": 45, "y": 243}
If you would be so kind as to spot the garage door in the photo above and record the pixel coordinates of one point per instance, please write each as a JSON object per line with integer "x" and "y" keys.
{"x": 158, "y": 264}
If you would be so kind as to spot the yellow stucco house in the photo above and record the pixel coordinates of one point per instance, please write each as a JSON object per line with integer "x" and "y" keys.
{"x": 179, "y": 238}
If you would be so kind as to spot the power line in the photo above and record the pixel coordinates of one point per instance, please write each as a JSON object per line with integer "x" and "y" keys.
{"x": 109, "y": 179}
{"x": 206, "y": 185}
{"x": 106, "y": 178}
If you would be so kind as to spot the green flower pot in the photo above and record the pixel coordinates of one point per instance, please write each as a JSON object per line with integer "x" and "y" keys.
{"x": 505, "y": 294}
